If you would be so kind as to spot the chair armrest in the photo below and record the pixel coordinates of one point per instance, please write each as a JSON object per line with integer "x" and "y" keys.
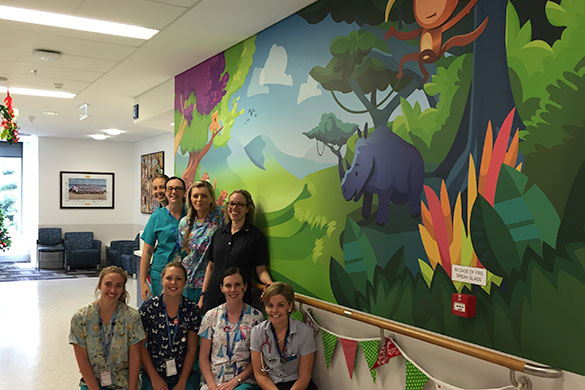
{"x": 97, "y": 244}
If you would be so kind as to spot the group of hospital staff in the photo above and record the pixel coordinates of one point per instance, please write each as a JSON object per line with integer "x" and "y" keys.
{"x": 197, "y": 328}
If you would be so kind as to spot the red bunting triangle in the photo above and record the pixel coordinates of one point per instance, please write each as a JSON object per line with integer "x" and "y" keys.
{"x": 387, "y": 352}
{"x": 349, "y": 347}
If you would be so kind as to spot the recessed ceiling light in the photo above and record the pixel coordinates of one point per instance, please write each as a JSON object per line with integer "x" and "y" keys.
{"x": 51, "y": 113}
{"x": 113, "y": 131}
{"x": 74, "y": 22}
{"x": 98, "y": 137}
{"x": 38, "y": 92}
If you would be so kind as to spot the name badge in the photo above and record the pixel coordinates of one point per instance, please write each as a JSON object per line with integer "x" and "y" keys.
{"x": 105, "y": 378}
{"x": 228, "y": 373}
{"x": 171, "y": 367}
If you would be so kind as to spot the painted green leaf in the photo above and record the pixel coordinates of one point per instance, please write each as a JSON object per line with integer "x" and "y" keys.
{"x": 492, "y": 240}
{"x": 427, "y": 271}
{"x": 341, "y": 285}
{"x": 544, "y": 214}
{"x": 556, "y": 14}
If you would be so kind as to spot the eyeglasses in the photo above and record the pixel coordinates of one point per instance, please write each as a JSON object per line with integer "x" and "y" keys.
{"x": 178, "y": 189}
{"x": 237, "y": 205}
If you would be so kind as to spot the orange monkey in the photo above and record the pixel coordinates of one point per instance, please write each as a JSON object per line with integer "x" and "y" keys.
{"x": 432, "y": 17}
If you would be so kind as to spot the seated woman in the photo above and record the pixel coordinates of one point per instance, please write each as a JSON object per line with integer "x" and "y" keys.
{"x": 171, "y": 323}
{"x": 224, "y": 355}
{"x": 283, "y": 349}
{"x": 106, "y": 336}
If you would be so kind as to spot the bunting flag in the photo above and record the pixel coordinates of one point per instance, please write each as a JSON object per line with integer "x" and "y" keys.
{"x": 415, "y": 379}
{"x": 329, "y": 343}
{"x": 370, "y": 348}
{"x": 349, "y": 348}
{"x": 388, "y": 351}
{"x": 416, "y": 376}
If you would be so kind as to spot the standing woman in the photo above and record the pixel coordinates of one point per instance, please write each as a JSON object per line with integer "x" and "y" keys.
{"x": 162, "y": 230}
{"x": 158, "y": 189}
{"x": 283, "y": 349}
{"x": 238, "y": 244}
{"x": 106, "y": 336}
{"x": 196, "y": 229}
{"x": 224, "y": 356}
{"x": 171, "y": 323}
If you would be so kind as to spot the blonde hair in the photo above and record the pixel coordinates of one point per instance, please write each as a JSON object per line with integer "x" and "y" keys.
{"x": 191, "y": 212}
{"x": 175, "y": 265}
{"x": 279, "y": 288}
{"x": 112, "y": 269}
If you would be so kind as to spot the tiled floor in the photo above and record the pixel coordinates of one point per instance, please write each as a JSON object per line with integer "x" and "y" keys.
{"x": 34, "y": 329}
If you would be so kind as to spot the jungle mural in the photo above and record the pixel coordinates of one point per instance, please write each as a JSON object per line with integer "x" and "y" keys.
{"x": 386, "y": 141}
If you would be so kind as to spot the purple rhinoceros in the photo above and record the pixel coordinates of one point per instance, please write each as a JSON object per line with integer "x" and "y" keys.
{"x": 386, "y": 165}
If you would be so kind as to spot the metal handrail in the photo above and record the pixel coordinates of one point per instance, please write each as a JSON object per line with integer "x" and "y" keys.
{"x": 454, "y": 345}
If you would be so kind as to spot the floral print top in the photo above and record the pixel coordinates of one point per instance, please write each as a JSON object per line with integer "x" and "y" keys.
{"x": 128, "y": 330}
{"x": 199, "y": 239}
{"x": 214, "y": 327}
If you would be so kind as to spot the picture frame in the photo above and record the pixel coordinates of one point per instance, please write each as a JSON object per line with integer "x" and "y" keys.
{"x": 151, "y": 165}
{"x": 86, "y": 190}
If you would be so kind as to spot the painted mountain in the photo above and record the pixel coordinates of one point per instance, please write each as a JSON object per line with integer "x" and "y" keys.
{"x": 261, "y": 149}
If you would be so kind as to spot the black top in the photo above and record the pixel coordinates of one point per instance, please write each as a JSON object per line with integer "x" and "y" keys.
{"x": 246, "y": 249}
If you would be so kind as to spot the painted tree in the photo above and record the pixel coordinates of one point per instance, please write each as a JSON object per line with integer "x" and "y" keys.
{"x": 333, "y": 133}
{"x": 204, "y": 107}
{"x": 490, "y": 96}
{"x": 362, "y": 12}
{"x": 353, "y": 69}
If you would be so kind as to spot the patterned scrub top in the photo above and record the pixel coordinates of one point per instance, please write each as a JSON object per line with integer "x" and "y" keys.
{"x": 128, "y": 330}
{"x": 153, "y": 316}
{"x": 214, "y": 326}
{"x": 199, "y": 239}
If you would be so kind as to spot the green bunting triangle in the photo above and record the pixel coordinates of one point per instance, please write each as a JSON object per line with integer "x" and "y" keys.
{"x": 329, "y": 343}
{"x": 297, "y": 315}
{"x": 415, "y": 379}
{"x": 370, "y": 348}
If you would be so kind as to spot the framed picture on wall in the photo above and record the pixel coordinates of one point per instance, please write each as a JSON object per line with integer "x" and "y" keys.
{"x": 86, "y": 190}
{"x": 150, "y": 165}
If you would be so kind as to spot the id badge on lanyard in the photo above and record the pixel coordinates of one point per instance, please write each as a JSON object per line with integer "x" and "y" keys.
{"x": 228, "y": 372}
{"x": 106, "y": 375}
{"x": 230, "y": 368}
{"x": 105, "y": 378}
{"x": 171, "y": 364}
{"x": 171, "y": 367}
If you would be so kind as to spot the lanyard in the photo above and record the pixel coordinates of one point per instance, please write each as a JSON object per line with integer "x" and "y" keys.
{"x": 175, "y": 326}
{"x": 107, "y": 342}
{"x": 230, "y": 349}
{"x": 282, "y": 357}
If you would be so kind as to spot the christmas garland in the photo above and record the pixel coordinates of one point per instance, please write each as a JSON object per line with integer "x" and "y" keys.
{"x": 5, "y": 241}
{"x": 8, "y": 124}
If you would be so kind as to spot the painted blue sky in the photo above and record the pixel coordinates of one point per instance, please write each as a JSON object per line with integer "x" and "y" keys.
{"x": 284, "y": 100}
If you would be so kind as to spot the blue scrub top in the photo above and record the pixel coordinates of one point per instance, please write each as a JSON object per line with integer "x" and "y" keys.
{"x": 162, "y": 230}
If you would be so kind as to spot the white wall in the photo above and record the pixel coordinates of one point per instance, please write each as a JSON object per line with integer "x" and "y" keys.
{"x": 60, "y": 154}
{"x": 163, "y": 142}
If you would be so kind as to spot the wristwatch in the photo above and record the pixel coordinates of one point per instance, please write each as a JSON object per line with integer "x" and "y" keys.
{"x": 239, "y": 380}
